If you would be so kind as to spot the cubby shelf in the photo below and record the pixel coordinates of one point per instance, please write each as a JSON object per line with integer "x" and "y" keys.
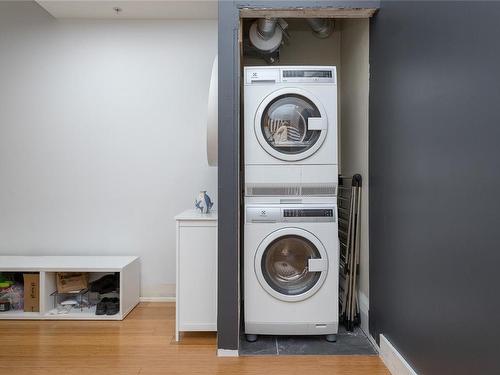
{"x": 127, "y": 266}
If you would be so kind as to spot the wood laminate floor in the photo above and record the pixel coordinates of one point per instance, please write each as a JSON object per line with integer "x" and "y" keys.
{"x": 144, "y": 344}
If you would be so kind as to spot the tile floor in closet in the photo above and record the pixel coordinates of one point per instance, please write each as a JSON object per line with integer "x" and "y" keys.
{"x": 348, "y": 343}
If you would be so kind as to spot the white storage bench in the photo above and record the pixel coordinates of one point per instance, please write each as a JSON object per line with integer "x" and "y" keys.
{"x": 128, "y": 268}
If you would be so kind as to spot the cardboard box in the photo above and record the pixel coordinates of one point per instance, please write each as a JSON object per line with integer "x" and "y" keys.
{"x": 31, "y": 292}
{"x": 71, "y": 281}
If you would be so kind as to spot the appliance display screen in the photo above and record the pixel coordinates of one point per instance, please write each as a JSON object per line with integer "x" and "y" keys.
{"x": 311, "y": 212}
{"x": 307, "y": 73}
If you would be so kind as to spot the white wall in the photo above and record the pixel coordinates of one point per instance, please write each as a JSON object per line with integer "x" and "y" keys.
{"x": 101, "y": 140}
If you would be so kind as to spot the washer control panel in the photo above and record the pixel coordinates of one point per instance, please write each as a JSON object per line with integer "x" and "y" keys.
{"x": 300, "y": 214}
{"x": 307, "y": 212}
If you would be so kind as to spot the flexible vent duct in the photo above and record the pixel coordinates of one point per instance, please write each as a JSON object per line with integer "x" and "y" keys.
{"x": 322, "y": 27}
{"x": 266, "y": 27}
{"x": 265, "y": 36}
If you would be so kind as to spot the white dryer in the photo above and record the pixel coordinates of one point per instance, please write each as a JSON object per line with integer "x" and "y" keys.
{"x": 291, "y": 269}
{"x": 290, "y": 120}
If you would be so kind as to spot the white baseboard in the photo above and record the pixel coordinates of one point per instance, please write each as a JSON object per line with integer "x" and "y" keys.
{"x": 158, "y": 290}
{"x": 394, "y": 361}
{"x": 157, "y": 299}
{"x": 227, "y": 353}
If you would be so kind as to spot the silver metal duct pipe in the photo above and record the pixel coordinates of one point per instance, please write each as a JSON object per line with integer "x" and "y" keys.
{"x": 265, "y": 35}
{"x": 266, "y": 27}
{"x": 322, "y": 27}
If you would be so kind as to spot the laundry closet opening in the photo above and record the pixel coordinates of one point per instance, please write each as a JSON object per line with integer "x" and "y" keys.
{"x": 303, "y": 46}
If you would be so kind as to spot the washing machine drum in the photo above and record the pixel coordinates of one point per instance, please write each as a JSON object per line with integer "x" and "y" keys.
{"x": 290, "y": 126}
{"x": 291, "y": 267}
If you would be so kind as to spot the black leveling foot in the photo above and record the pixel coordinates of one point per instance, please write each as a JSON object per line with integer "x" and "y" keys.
{"x": 331, "y": 338}
{"x": 251, "y": 338}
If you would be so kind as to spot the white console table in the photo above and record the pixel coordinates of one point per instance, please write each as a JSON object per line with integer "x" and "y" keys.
{"x": 196, "y": 287}
{"x": 47, "y": 266}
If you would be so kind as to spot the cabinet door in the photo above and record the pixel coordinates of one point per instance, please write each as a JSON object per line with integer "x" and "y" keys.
{"x": 197, "y": 278}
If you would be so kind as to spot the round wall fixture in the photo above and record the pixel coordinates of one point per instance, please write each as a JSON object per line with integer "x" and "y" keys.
{"x": 212, "y": 116}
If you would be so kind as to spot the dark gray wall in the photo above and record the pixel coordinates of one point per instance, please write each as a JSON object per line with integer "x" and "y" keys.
{"x": 435, "y": 183}
{"x": 228, "y": 179}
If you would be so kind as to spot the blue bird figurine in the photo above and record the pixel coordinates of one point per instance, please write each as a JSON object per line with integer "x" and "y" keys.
{"x": 203, "y": 203}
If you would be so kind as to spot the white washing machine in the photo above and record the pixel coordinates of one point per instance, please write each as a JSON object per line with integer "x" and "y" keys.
{"x": 291, "y": 263}
{"x": 290, "y": 120}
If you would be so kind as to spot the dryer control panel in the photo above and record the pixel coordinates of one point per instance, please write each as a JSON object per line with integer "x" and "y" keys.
{"x": 318, "y": 75}
{"x": 279, "y": 214}
{"x": 290, "y": 74}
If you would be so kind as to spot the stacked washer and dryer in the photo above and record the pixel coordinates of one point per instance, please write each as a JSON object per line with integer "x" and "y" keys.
{"x": 291, "y": 246}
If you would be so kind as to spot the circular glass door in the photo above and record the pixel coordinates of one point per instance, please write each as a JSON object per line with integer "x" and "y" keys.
{"x": 283, "y": 264}
{"x": 284, "y": 125}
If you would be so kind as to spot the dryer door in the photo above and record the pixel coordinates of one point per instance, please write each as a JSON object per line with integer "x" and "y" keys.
{"x": 291, "y": 124}
{"x": 291, "y": 264}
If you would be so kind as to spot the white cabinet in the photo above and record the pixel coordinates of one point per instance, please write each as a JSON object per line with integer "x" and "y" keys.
{"x": 196, "y": 287}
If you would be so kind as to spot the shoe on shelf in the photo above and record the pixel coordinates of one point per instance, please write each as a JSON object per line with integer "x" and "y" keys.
{"x": 113, "y": 306}
{"x": 106, "y": 284}
{"x": 102, "y": 307}
{"x": 108, "y": 306}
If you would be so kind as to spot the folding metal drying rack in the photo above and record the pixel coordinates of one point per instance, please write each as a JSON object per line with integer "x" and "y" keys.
{"x": 349, "y": 219}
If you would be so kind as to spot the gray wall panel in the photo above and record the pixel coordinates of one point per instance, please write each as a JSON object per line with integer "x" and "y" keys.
{"x": 228, "y": 179}
{"x": 435, "y": 180}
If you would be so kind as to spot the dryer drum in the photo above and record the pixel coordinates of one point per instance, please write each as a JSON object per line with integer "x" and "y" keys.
{"x": 285, "y": 124}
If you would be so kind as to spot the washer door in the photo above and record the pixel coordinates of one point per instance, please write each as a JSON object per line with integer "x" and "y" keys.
{"x": 291, "y": 264}
{"x": 291, "y": 124}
